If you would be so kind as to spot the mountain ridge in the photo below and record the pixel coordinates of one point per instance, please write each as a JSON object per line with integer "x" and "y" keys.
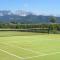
{"x": 24, "y": 17}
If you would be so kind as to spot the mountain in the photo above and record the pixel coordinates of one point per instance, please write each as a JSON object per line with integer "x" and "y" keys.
{"x": 5, "y": 12}
{"x": 24, "y": 17}
{"x": 22, "y": 13}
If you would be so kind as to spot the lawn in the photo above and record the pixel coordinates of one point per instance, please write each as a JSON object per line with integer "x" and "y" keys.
{"x": 29, "y": 46}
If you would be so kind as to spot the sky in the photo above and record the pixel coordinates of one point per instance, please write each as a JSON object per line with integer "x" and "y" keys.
{"x": 43, "y": 7}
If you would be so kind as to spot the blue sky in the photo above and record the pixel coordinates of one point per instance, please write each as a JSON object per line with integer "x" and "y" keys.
{"x": 45, "y": 7}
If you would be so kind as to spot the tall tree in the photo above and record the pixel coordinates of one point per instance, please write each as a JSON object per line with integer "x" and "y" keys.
{"x": 52, "y": 19}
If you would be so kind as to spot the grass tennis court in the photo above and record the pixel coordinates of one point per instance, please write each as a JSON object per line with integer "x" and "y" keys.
{"x": 29, "y": 46}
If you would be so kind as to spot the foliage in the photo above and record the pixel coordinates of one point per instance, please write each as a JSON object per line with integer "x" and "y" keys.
{"x": 52, "y": 19}
{"x": 44, "y": 28}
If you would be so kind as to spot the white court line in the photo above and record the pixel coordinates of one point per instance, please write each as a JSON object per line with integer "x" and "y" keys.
{"x": 12, "y": 54}
{"x": 30, "y": 57}
{"x": 29, "y": 50}
{"x": 43, "y": 55}
{"x": 22, "y": 48}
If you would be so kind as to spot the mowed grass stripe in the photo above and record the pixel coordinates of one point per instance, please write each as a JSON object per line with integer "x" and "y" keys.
{"x": 17, "y": 51}
{"x": 38, "y": 42}
{"x": 36, "y": 52}
{"x": 47, "y": 44}
{"x": 29, "y": 57}
{"x": 11, "y": 54}
{"x": 12, "y": 45}
{"x": 44, "y": 55}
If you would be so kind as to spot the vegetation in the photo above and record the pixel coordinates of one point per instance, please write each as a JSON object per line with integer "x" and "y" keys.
{"x": 53, "y": 19}
{"x": 53, "y": 25}
{"x": 43, "y": 28}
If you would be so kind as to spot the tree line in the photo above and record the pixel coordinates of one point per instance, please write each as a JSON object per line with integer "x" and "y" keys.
{"x": 49, "y": 27}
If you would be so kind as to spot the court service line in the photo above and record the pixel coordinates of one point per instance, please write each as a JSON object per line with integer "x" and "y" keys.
{"x": 43, "y": 55}
{"x": 22, "y": 48}
{"x": 12, "y": 54}
{"x": 29, "y": 57}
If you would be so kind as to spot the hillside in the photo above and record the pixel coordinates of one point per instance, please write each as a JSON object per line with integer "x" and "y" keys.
{"x": 24, "y": 17}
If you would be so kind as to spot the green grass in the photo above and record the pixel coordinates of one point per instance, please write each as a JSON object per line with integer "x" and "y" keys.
{"x": 29, "y": 46}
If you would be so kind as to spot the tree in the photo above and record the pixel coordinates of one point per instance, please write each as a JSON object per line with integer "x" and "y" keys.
{"x": 53, "y": 25}
{"x": 52, "y": 19}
